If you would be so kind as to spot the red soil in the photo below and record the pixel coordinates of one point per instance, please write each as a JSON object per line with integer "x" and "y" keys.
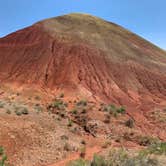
{"x": 32, "y": 56}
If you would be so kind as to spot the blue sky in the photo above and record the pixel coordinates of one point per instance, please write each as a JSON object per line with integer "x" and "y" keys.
{"x": 144, "y": 17}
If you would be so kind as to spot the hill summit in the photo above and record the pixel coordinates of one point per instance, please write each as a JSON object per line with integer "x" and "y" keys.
{"x": 85, "y": 55}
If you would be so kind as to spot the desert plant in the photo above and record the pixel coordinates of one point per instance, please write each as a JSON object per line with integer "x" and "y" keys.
{"x": 106, "y": 144}
{"x": 18, "y": 113}
{"x": 83, "y": 142}
{"x": 118, "y": 157}
{"x": 3, "y": 156}
{"x": 74, "y": 111}
{"x": 83, "y": 151}
{"x": 79, "y": 162}
{"x": 107, "y": 118}
{"x": 61, "y": 95}
{"x": 121, "y": 110}
{"x": 1, "y": 104}
{"x": 3, "y": 160}
{"x": 129, "y": 123}
{"x": 82, "y": 103}
{"x": 66, "y": 147}
{"x": 147, "y": 140}
{"x": 128, "y": 136}
{"x": 1, "y": 150}
{"x": 64, "y": 137}
{"x": 155, "y": 148}
{"x": 38, "y": 108}
{"x": 98, "y": 161}
{"x": 37, "y": 98}
{"x": 70, "y": 123}
{"x": 83, "y": 111}
{"x": 112, "y": 109}
{"x": 59, "y": 104}
{"x": 8, "y": 111}
{"x": 24, "y": 111}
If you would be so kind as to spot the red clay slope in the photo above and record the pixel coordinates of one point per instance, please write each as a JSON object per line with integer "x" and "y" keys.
{"x": 84, "y": 54}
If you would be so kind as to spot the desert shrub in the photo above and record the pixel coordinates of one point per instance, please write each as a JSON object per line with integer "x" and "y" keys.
{"x": 119, "y": 157}
{"x": 130, "y": 123}
{"x": 156, "y": 148}
{"x": 24, "y": 111}
{"x": 70, "y": 123}
{"x": 112, "y": 109}
{"x": 18, "y": 113}
{"x": 21, "y": 111}
{"x": 1, "y": 150}
{"x": 18, "y": 94}
{"x": 139, "y": 161}
{"x": 83, "y": 142}
{"x": 65, "y": 104}
{"x": 62, "y": 113}
{"x": 121, "y": 110}
{"x": 79, "y": 162}
{"x": 82, "y": 103}
{"x": 66, "y": 147}
{"x": 147, "y": 141}
{"x": 64, "y": 137}
{"x": 106, "y": 144}
{"x": 74, "y": 111}
{"x": 8, "y": 111}
{"x": 164, "y": 109}
{"x": 1, "y": 104}
{"x": 3, "y": 156}
{"x": 108, "y": 108}
{"x": 38, "y": 108}
{"x": 84, "y": 111}
{"x": 128, "y": 136}
{"x": 83, "y": 151}
{"x": 61, "y": 95}
{"x": 122, "y": 158}
{"x": 59, "y": 104}
{"x": 3, "y": 160}
{"x": 98, "y": 161}
{"x": 37, "y": 98}
{"x": 107, "y": 118}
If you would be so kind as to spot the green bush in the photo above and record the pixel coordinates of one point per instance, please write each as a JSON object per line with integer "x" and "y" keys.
{"x": 3, "y": 156}
{"x": 59, "y": 104}
{"x": 112, "y": 109}
{"x": 121, "y": 110}
{"x": 3, "y": 159}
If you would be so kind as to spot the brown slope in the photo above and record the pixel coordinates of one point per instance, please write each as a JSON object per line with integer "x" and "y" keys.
{"x": 84, "y": 54}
